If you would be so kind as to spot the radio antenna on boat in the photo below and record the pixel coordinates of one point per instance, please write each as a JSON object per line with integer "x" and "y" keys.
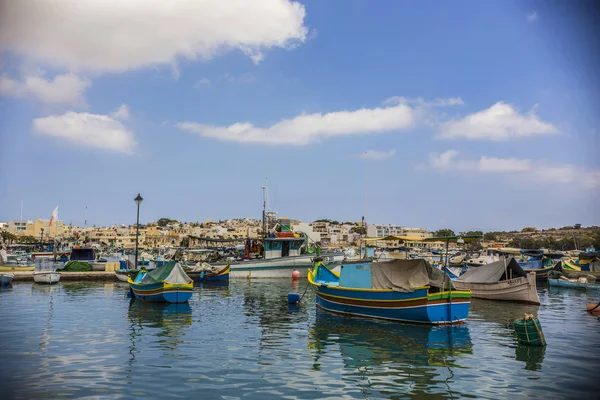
{"x": 264, "y": 213}
{"x": 85, "y": 220}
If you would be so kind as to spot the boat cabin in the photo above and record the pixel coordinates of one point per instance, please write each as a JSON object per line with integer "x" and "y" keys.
{"x": 82, "y": 254}
{"x": 282, "y": 247}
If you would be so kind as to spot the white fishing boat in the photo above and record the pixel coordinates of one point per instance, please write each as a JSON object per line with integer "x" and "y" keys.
{"x": 281, "y": 257}
{"x": 488, "y": 256}
{"x": 6, "y": 278}
{"x": 500, "y": 280}
{"x": 46, "y": 275}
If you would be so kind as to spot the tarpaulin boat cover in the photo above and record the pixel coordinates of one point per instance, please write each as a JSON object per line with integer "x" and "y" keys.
{"x": 405, "y": 275}
{"x": 493, "y": 272}
{"x": 170, "y": 273}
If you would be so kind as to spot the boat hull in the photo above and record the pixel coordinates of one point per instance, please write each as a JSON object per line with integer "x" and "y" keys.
{"x": 278, "y": 267}
{"x": 418, "y": 306}
{"x": 202, "y": 276}
{"x": 522, "y": 289}
{"x": 573, "y": 285}
{"x": 16, "y": 268}
{"x": 123, "y": 275}
{"x": 540, "y": 273}
{"x": 6, "y": 279}
{"x": 97, "y": 265}
{"x": 46, "y": 277}
{"x": 162, "y": 292}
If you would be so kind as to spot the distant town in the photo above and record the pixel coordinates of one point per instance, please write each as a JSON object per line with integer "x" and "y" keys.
{"x": 172, "y": 233}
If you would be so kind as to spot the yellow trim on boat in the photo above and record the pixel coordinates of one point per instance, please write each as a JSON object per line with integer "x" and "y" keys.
{"x": 6, "y": 268}
{"x": 189, "y": 286}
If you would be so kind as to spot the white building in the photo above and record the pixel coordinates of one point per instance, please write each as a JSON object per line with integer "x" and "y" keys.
{"x": 308, "y": 229}
{"x": 383, "y": 230}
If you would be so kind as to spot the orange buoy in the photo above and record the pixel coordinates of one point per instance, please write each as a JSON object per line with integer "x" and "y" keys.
{"x": 295, "y": 275}
{"x": 593, "y": 308}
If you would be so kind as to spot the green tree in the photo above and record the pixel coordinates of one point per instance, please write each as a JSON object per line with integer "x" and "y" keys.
{"x": 444, "y": 232}
{"x": 165, "y": 221}
{"x": 529, "y": 229}
{"x": 359, "y": 229}
{"x": 577, "y": 226}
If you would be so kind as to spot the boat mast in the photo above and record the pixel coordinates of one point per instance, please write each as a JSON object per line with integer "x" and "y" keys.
{"x": 264, "y": 212}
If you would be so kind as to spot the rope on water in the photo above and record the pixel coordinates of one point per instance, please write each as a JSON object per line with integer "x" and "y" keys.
{"x": 301, "y": 297}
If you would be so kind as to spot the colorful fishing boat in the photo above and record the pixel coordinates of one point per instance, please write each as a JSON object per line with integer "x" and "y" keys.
{"x": 6, "y": 278}
{"x": 540, "y": 273}
{"x": 397, "y": 290}
{"x": 574, "y": 284}
{"x": 168, "y": 283}
{"x": 209, "y": 274}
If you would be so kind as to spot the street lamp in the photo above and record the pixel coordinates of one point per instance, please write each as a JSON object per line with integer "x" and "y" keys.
{"x": 41, "y": 236}
{"x": 138, "y": 200}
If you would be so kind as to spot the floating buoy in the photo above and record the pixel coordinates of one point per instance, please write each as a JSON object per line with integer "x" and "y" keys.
{"x": 295, "y": 275}
{"x": 529, "y": 331}
{"x": 593, "y": 308}
{"x": 293, "y": 298}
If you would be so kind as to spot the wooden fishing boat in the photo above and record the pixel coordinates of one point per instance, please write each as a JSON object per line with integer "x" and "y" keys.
{"x": 48, "y": 277}
{"x": 397, "y": 290}
{"x": 573, "y": 284}
{"x": 501, "y": 280}
{"x": 209, "y": 275}
{"x": 540, "y": 273}
{"x": 168, "y": 283}
{"x": 124, "y": 274}
{"x": 6, "y": 278}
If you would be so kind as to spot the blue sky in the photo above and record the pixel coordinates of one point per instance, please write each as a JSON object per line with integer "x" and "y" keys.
{"x": 468, "y": 115}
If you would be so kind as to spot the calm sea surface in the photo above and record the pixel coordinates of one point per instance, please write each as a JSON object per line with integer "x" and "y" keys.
{"x": 88, "y": 340}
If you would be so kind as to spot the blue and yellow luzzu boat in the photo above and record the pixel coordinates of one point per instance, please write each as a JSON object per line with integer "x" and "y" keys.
{"x": 168, "y": 283}
{"x": 208, "y": 276}
{"x": 398, "y": 290}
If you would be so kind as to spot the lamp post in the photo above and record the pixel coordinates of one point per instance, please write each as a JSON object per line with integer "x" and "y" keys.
{"x": 41, "y": 236}
{"x": 138, "y": 200}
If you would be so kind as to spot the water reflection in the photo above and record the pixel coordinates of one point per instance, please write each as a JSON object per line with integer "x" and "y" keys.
{"x": 533, "y": 356}
{"x": 365, "y": 342}
{"x": 500, "y": 312}
{"x": 171, "y": 319}
{"x": 385, "y": 359}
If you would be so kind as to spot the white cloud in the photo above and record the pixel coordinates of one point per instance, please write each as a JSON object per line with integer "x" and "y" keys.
{"x": 89, "y": 130}
{"x": 63, "y": 89}
{"x": 123, "y": 113}
{"x": 377, "y": 154}
{"x": 310, "y": 128}
{"x": 203, "y": 82}
{"x": 533, "y": 170}
{"x": 532, "y": 16}
{"x": 439, "y": 102}
{"x": 103, "y": 35}
{"x": 500, "y": 122}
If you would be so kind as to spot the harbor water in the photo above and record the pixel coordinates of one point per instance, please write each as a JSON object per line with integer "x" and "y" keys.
{"x": 242, "y": 340}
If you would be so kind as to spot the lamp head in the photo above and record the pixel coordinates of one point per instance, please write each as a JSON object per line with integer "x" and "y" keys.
{"x": 138, "y": 200}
